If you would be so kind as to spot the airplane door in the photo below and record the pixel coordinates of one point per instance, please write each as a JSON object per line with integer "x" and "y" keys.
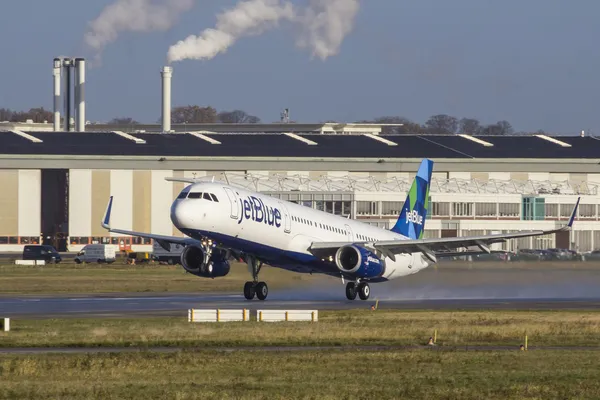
{"x": 287, "y": 220}
{"x": 233, "y": 200}
{"x": 350, "y": 234}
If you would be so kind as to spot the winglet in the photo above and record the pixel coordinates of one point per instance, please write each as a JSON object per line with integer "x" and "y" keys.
{"x": 574, "y": 214}
{"x": 106, "y": 219}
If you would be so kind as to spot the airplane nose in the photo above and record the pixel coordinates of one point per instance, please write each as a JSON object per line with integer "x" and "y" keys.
{"x": 178, "y": 213}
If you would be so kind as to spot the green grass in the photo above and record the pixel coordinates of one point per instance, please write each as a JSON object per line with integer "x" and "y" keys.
{"x": 93, "y": 279}
{"x": 335, "y": 328}
{"x": 418, "y": 374}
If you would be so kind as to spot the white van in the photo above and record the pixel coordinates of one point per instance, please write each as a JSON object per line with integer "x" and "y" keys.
{"x": 170, "y": 257}
{"x": 96, "y": 253}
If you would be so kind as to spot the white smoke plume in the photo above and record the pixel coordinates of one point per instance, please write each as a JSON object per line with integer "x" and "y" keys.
{"x": 133, "y": 16}
{"x": 324, "y": 24}
{"x": 250, "y": 17}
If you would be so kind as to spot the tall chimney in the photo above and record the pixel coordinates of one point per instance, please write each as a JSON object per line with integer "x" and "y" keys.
{"x": 67, "y": 64}
{"x": 57, "y": 90}
{"x": 80, "y": 94}
{"x": 166, "y": 74}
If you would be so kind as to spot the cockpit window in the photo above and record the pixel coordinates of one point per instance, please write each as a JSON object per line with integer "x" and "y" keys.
{"x": 195, "y": 195}
{"x": 206, "y": 196}
{"x": 214, "y": 197}
{"x": 182, "y": 195}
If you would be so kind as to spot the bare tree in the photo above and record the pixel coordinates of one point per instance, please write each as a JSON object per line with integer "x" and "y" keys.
{"x": 469, "y": 126}
{"x": 505, "y": 128}
{"x": 193, "y": 114}
{"x": 442, "y": 124}
{"x": 498, "y": 129}
{"x": 237, "y": 117}
{"x": 36, "y": 114}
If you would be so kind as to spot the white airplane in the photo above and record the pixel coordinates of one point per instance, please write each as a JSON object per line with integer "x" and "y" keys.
{"x": 223, "y": 221}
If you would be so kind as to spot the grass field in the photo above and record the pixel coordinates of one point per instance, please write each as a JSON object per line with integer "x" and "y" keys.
{"x": 418, "y": 374}
{"x": 196, "y": 371}
{"x": 92, "y": 278}
{"x": 335, "y": 328}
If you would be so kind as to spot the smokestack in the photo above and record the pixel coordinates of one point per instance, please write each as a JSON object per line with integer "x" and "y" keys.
{"x": 166, "y": 74}
{"x": 80, "y": 94}
{"x": 57, "y": 89}
{"x": 67, "y": 64}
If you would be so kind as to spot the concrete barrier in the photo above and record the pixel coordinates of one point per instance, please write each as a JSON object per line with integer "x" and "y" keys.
{"x": 30, "y": 262}
{"x": 198, "y": 315}
{"x": 287, "y": 315}
{"x": 5, "y": 324}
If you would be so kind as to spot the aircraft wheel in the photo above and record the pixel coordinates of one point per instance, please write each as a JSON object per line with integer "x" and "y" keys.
{"x": 351, "y": 291}
{"x": 262, "y": 290}
{"x": 364, "y": 291}
{"x": 249, "y": 290}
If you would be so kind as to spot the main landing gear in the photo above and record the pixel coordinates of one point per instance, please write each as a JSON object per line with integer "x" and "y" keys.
{"x": 260, "y": 289}
{"x": 361, "y": 288}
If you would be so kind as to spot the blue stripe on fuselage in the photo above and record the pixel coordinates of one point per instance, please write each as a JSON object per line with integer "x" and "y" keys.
{"x": 288, "y": 260}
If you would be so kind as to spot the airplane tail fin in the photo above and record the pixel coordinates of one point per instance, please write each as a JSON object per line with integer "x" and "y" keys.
{"x": 411, "y": 222}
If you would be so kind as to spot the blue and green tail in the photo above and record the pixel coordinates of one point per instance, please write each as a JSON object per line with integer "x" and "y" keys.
{"x": 411, "y": 222}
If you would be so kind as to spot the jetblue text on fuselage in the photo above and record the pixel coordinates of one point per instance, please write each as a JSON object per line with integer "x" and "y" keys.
{"x": 254, "y": 209}
{"x": 414, "y": 217}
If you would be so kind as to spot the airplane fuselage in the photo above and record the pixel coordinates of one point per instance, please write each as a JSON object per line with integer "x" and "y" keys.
{"x": 278, "y": 231}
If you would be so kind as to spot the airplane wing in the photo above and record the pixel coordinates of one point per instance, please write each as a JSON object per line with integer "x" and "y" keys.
{"x": 163, "y": 240}
{"x": 436, "y": 247}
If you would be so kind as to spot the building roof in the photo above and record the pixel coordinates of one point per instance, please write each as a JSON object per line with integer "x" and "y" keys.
{"x": 311, "y": 145}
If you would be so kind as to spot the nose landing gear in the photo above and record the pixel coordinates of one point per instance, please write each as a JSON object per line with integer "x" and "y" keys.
{"x": 255, "y": 288}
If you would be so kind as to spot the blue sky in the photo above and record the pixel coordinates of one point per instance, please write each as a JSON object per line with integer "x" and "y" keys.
{"x": 532, "y": 62}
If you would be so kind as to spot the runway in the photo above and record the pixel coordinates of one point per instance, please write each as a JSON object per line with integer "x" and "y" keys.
{"x": 178, "y": 304}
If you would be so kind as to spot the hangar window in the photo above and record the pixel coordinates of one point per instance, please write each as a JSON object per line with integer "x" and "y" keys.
{"x": 551, "y": 210}
{"x": 509, "y": 209}
{"x": 566, "y": 210}
{"x": 391, "y": 207}
{"x": 367, "y": 208}
{"x": 485, "y": 209}
{"x": 587, "y": 210}
{"x": 462, "y": 209}
{"x": 195, "y": 195}
{"x": 440, "y": 209}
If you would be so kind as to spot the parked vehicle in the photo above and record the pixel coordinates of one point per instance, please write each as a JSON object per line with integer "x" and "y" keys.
{"x": 135, "y": 257}
{"x": 170, "y": 257}
{"x": 561, "y": 254}
{"x": 41, "y": 252}
{"x": 592, "y": 255}
{"x": 96, "y": 253}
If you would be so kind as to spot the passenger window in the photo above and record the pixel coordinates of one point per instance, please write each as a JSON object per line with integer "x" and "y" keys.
{"x": 214, "y": 198}
{"x": 206, "y": 197}
{"x": 195, "y": 195}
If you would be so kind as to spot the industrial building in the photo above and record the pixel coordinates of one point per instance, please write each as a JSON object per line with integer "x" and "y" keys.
{"x": 56, "y": 178}
{"x": 56, "y": 184}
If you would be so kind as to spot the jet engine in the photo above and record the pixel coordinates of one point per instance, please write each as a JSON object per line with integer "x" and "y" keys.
{"x": 192, "y": 260}
{"x": 359, "y": 262}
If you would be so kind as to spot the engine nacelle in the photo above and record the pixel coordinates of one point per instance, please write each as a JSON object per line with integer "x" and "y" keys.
{"x": 359, "y": 262}
{"x": 192, "y": 260}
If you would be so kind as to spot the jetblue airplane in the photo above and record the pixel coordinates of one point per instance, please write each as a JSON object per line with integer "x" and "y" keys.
{"x": 223, "y": 221}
